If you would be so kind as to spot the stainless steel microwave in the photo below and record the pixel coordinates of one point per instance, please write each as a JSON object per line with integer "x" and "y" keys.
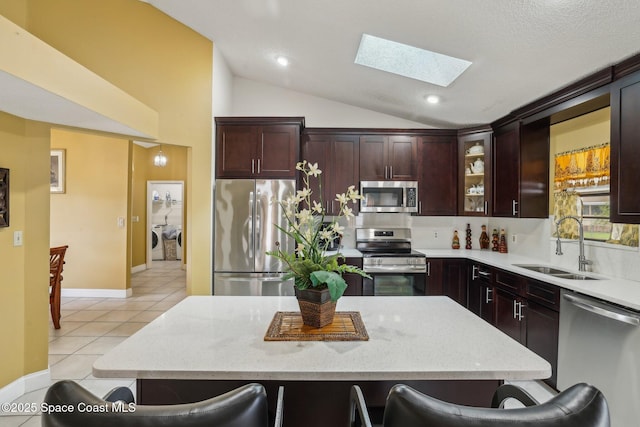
{"x": 389, "y": 196}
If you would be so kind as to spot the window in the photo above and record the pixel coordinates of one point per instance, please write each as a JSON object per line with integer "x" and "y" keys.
{"x": 595, "y": 215}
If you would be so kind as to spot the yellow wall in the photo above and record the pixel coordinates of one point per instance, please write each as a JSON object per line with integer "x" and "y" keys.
{"x": 85, "y": 217}
{"x": 143, "y": 171}
{"x": 24, "y": 149}
{"x": 160, "y": 62}
{"x": 165, "y": 65}
{"x": 583, "y": 131}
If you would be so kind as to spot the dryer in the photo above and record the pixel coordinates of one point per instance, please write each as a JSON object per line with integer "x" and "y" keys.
{"x": 157, "y": 246}
{"x": 179, "y": 243}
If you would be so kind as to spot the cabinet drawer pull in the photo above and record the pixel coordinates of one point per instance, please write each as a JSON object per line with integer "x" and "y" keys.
{"x": 484, "y": 273}
{"x": 253, "y": 166}
{"x": 258, "y": 166}
{"x": 474, "y": 272}
{"x": 515, "y": 207}
{"x": 517, "y": 310}
{"x": 486, "y": 207}
{"x": 390, "y": 172}
{"x": 487, "y": 294}
{"x": 428, "y": 268}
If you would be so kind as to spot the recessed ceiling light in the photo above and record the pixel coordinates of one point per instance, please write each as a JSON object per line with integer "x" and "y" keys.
{"x": 432, "y": 99}
{"x": 409, "y": 61}
{"x": 282, "y": 61}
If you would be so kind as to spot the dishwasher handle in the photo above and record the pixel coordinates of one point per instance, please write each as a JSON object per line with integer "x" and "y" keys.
{"x": 604, "y": 309}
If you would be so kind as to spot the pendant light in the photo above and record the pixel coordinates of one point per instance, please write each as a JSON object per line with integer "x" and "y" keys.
{"x": 160, "y": 160}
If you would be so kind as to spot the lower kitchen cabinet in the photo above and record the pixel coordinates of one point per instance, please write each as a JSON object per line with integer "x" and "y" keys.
{"x": 354, "y": 281}
{"x": 481, "y": 292}
{"x": 448, "y": 277}
{"x": 528, "y": 311}
{"x": 509, "y": 317}
{"x": 542, "y": 335}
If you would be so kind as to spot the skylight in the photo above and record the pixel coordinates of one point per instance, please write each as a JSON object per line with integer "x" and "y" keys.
{"x": 409, "y": 61}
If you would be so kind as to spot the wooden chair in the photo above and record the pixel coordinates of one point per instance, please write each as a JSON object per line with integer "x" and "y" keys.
{"x": 56, "y": 263}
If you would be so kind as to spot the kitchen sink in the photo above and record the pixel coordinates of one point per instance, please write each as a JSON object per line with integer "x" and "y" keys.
{"x": 556, "y": 272}
{"x": 574, "y": 276}
{"x": 544, "y": 269}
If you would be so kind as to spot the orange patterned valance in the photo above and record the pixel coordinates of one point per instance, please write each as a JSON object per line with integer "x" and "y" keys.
{"x": 582, "y": 168}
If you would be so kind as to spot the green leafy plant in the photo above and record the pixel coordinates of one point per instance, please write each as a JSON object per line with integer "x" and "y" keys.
{"x": 309, "y": 265}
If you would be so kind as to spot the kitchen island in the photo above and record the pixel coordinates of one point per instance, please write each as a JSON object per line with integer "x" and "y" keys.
{"x": 205, "y": 345}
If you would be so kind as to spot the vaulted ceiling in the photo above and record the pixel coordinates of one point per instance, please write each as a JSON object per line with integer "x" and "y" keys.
{"x": 520, "y": 50}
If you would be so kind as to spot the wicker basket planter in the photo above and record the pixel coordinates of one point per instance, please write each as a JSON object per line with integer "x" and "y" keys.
{"x": 316, "y": 307}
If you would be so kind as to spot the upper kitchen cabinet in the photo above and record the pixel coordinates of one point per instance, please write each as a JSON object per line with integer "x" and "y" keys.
{"x": 474, "y": 172}
{"x": 625, "y": 149}
{"x": 521, "y": 170}
{"x": 338, "y": 157}
{"x": 437, "y": 174}
{"x": 388, "y": 158}
{"x": 257, "y": 147}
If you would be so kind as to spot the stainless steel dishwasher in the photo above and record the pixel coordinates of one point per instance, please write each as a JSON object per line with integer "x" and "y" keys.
{"x": 599, "y": 343}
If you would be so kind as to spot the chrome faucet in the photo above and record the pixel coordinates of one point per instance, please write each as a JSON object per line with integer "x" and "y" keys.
{"x": 582, "y": 260}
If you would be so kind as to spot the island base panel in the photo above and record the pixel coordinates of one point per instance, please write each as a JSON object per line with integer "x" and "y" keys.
{"x": 315, "y": 403}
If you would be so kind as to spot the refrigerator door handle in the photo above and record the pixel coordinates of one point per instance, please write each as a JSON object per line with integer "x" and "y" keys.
{"x": 258, "y": 237}
{"x": 251, "y": 221}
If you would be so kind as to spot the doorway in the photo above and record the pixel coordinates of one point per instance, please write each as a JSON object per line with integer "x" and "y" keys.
{"x": 165, "y": 219}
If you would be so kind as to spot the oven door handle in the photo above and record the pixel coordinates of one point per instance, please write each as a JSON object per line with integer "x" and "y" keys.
{"x": 394, "y": 269}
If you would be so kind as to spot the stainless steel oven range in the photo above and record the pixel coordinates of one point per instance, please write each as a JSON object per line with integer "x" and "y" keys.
{"x": 395, "y": 268}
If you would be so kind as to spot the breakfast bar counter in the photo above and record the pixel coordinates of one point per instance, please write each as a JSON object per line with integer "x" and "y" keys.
{"x": 431, "y": 343}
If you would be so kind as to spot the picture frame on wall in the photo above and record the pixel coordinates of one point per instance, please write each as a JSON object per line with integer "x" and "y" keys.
{"x": 57, "y": 171}
{"x": 4, "y": 197}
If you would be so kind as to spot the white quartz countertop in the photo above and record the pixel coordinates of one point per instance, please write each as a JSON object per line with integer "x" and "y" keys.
{"x": 410, "y": 338}
{"x": 618, "y": 291}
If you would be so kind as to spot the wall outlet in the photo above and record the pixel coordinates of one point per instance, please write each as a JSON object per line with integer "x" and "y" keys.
{"x": 135, "y": 218}
{"x": 17, "y": 238}
{"x": 514, "y": 238}
{"x": 435, "y": 234}
{"x": 120, "y": 222}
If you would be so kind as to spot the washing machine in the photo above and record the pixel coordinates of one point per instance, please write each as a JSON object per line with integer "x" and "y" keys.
{"x": 157, "y": 247}
{"x": 179, "y": 243}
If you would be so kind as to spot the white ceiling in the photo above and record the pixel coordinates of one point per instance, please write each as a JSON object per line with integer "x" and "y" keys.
{"x": 521, "y": 49}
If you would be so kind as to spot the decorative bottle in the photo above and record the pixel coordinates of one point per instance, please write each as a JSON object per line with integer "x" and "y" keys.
{"x": 484, "y": 238}
{"x": 502, "y": 247}
{"x": 455, "y": 243}
{"x": 494, "y": 240}
{"x": 468, "y": 238}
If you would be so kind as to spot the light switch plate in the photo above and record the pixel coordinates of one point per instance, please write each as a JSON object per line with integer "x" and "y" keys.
{"x": 17, "y": 238}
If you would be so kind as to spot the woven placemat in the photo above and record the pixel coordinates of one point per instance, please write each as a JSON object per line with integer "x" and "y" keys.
{"x": 288, "y": 326}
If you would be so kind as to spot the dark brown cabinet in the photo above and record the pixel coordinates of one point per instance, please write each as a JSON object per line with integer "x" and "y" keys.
{"x": 338, "y": 156}
{"x": 388, "y": 158}
{"x": 354, "y": 281}
{"x": 447, "y": 276}
{"x": 528, "y": 311}
{"x": 454, "y": 280}
{"x": 521, "y": 170}
{"x": 257, "y": 147}
{"x": 506, "y": 172}
{"x": 625, "y": 149}
{"x": 437, "y": 175}
{"x": 481, "y": 292}
{"x": 474, "y": 173}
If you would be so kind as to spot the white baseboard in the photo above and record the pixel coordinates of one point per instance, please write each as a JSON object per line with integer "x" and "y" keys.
{"x": 25, "y": 384}
{"x": 138, "y": 268}
{"x": 96, "y": 293}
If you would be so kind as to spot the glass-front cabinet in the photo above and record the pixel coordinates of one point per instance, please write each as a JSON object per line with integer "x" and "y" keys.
{"x": 474, "y": 173}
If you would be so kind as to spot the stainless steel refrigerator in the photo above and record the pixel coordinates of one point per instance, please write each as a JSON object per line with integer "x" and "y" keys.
{"x": 245, "y": 214}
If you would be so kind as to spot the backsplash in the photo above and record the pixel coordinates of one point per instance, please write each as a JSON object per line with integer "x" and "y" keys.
{"x": 532, "y": 239}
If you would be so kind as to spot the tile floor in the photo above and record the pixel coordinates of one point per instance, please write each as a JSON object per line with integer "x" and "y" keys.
{"x": 92, "y": 326}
